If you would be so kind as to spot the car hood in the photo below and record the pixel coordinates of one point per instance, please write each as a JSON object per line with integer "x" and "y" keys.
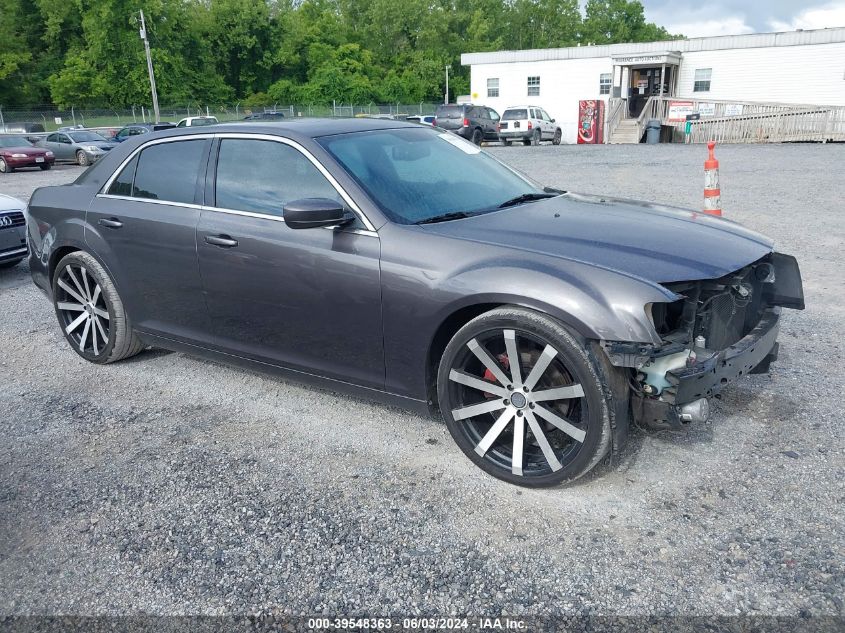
{"x": 657, "y": 243}
{"x": 8, "y": 203}
{"x": 101, "y": 144}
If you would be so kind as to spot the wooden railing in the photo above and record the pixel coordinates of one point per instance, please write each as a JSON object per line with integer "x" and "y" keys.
{"x": 615, "y": 112}
{"x": 753, "y": 122}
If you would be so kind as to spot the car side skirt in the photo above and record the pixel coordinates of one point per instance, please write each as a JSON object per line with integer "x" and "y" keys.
{"x": 418, "y": 406}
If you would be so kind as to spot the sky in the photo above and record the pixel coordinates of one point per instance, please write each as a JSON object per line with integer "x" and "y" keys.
{"x": 694, "y": 18}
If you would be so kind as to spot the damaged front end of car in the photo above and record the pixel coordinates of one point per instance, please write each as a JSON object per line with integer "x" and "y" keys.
{"x": 717, "y": 331}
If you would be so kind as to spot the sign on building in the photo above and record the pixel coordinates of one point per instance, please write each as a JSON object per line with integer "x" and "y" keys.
{"x": 678, "y": 110}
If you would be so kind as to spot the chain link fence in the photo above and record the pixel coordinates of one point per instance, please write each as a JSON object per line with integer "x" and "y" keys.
{"x": 52, "y": 118}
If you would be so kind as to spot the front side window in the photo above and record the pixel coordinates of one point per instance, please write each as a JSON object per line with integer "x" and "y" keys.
{"x": 533, "y": 86}
{"x": 416, "y": 174}
{"x": 493, "y": 87}
{"x": 169, "y": 171}
{"x": 702, "y": 80}
{"x": 262, "y": 176}
{"x": 604, "y": 83}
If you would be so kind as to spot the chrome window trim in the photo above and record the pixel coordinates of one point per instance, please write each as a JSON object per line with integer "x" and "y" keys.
{"x": 279, "y": 218}
{"x": 370, "y": 228}
{"x": 186, "y": 205}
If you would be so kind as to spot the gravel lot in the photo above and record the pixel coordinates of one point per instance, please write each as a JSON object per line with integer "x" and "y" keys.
{"x": 167, "y": 485}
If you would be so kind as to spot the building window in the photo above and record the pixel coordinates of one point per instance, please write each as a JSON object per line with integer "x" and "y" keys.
{"x": 533, "y": 86}
{"x": 604, "y": 84}
{"x": 493, "y": 87}
{"x": 702, "y": 80}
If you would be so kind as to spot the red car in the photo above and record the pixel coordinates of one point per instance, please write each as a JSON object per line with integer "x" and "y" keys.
{"x": 17, "y": 152}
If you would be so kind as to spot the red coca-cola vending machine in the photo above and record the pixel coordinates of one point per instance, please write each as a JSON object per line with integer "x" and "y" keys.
{"x": 591, "y": 121}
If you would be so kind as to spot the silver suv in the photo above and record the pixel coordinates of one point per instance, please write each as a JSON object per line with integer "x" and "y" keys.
{"x": 529, "y": 124}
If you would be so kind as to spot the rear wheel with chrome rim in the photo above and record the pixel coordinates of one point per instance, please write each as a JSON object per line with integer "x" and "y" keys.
{"x": 90, "y": 311}
{"x": 523, "y": 399}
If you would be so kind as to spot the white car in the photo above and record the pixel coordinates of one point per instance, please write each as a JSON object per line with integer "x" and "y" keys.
{"x": 529, "y": 124}
{"x": 424, "y": 119}
{"x": 12, "y": 231}
{"x": 193, "y": 121}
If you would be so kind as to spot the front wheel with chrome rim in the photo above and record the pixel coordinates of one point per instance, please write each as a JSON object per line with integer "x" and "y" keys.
{"x": 523, "y": 398}
{"x": 90, "y": 311}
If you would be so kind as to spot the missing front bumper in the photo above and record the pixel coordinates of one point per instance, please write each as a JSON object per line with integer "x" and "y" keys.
{"x": 679, "y": 404}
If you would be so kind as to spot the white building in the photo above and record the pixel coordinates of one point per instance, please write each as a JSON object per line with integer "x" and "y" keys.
{"x": 796, "y": 67}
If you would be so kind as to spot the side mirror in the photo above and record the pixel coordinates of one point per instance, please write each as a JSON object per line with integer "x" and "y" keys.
{"x": 310, "y": 213}
{"x": 553, "y": 120}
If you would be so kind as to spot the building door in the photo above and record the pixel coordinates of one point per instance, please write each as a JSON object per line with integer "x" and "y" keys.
{"x": 645, "y": 83}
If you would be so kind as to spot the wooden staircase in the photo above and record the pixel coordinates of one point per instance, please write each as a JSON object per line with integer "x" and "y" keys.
{"x": 626, "y": 131}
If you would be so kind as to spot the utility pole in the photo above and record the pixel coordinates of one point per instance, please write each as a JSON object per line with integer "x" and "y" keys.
{"x": 446, "y": 96}
{"x": 150, "y": 67}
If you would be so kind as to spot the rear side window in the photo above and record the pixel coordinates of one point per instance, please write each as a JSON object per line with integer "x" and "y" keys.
{"x": 168, "y": 171}
{"x": 122, "y": 185}
{"x": 514, "y": 115}
{"x": 262, "y": 176}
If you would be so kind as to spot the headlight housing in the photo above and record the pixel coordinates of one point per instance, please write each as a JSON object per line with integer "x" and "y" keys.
{"x": 49, "y": 153}
{"x": 18, "y": 155}
{"x": 92, "y": 148}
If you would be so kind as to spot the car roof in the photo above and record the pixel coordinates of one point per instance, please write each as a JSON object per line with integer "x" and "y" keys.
{"x": 303, "y": 128}
{"x": 522, "y": 107}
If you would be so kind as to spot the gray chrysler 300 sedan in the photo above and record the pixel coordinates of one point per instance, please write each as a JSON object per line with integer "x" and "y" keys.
{"x": 405, "y": 264}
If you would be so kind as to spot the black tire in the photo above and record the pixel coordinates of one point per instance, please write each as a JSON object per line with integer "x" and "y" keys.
{"x": 526, "y": 141}
{"x": 557, "y": 137}
{"x": 5, "y": 168}
{"x": 506, "y": 143}
{"x": 477, "y": 136}
{"x": 82, "y": 158}
{"x": 100, "y": 307}
{"x": 11, "y": 263}
{"x": 536, "y": 137}
{"x": 581, "y": 434}
{"x": 45, "y": 166}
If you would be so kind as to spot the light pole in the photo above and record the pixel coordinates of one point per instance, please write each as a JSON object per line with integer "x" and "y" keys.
{"x": 150, "y": 67}
{"x": 446, "y": 97}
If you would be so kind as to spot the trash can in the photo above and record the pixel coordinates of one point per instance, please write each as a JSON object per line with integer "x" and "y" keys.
{"x": 652, "y": 131}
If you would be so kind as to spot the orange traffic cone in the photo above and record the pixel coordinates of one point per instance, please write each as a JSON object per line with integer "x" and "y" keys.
{"x": 712, "y": 193}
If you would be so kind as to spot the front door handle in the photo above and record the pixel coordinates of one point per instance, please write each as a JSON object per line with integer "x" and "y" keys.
{"x": 223, "y": 241}
{"x": 112, "y": 223}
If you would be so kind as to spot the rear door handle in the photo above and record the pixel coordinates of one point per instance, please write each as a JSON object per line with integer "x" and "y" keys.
{"x": 223, "y": 241}
{"x": 112, "y": 223}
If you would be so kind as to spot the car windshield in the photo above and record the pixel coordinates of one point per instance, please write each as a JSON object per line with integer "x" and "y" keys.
{"x": 511, "y": 115}
{"x": 417, "y": 174}
{"x": 86, "y": 137}
{"x": 14, "y": 141}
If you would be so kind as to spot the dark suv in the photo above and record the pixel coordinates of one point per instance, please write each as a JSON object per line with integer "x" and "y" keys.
{"x": 474, "y": 122}
{"x": 134, "y": 129}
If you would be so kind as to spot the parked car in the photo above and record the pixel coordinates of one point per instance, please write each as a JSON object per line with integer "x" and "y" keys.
{"x": 394, "y": 261}
{"x": 473, "y": 122}
{"x": 265, "y": 116}
{"x": 17, "y": 152}
{"x": 529, "y": 124}
{"x": 23, "y": 127}
{"x": 136, "y": 129}
{"x": 194, "y": 121}
{"x": 12, "y": 231}
{"x": 81, "y": 146}
{"x": 424, "y": 119}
